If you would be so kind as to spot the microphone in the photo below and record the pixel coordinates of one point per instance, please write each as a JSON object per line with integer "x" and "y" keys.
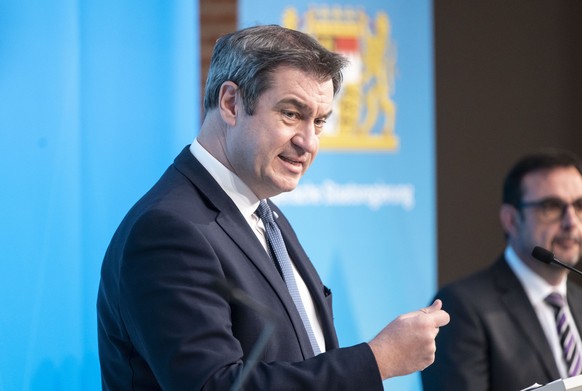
{"x": 546, "y": 256}
{"x": 237, "y": 295}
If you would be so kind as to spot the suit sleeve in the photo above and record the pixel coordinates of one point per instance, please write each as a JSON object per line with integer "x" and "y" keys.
{"x": 181, "y": 326}
{"x": 461, "y": 361}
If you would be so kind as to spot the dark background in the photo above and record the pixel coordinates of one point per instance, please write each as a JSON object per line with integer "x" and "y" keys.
{"x": 508, "y": 82}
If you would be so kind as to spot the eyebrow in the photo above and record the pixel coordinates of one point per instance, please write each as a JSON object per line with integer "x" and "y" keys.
{"x": 551, "y": 199}
{"x": 301, "y": 106}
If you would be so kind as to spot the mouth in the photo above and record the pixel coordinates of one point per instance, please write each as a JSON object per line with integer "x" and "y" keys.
{"x": 567, "y": 242}
{"x": 293, "y": 162}
{"x": 567, "y": 249}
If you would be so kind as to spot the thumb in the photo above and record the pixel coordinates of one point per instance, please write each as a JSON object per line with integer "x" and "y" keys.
{"x": 440, "y": 317}
{"x": 435, "y": 306}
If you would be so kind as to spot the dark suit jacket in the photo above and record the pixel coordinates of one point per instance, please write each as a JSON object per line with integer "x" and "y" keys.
{"x": 494, "y": 341}
{"x": 162, "y": 323}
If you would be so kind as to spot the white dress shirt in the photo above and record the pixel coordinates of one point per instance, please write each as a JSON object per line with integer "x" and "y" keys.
{"x": 537, "y": 289}
{"x": 247, "y": 202}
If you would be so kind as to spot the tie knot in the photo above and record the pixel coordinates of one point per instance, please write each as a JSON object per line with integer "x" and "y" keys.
{"x": 264, "y": 212}
{"x": 555, "y": 299}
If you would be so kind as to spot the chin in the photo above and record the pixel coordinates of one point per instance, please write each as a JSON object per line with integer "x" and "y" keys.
{"x": 278, "y": 190}
{"x": 568, "y": 257}
{"x": 287, "y": 187}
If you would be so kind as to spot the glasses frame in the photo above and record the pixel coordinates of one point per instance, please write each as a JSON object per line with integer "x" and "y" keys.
{"x": 539, "y": 204}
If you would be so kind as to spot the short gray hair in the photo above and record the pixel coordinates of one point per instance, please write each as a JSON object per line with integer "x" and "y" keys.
{"x": 249, "y": 56}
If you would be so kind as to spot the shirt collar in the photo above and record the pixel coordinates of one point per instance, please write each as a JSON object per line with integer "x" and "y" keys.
{"x": 536, "y": 287}
{"x": 243, "y": 197}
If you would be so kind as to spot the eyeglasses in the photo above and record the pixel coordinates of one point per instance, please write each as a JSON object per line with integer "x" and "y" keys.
{"x": 553, "y": 209}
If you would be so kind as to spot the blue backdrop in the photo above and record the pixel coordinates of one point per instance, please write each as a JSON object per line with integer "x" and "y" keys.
{"x": 366, "y": 209}
{"x": 96, "y": 99}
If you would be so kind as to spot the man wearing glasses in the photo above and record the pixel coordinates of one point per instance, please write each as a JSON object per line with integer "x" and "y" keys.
{"x": 508, "y": 328}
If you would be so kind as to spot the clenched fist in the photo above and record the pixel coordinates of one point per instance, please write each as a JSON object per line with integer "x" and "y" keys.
{"x": 407, "y": 344}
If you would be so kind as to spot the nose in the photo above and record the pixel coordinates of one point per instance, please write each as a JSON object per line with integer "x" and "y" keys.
{"x": 569, "y": 216}
{"x": 306, "y": 139}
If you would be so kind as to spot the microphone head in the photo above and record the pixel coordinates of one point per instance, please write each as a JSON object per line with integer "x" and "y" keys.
{"x": 543, "y": 255}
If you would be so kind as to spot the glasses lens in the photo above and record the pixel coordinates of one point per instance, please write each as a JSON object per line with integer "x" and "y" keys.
{"x": 552, "y": 209}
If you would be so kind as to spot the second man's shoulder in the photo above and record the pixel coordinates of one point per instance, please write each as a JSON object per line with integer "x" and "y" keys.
{"x": 477, "y": 283}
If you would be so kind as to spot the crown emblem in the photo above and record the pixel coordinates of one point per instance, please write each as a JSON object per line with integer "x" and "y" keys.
{"x": 364, "y": 113}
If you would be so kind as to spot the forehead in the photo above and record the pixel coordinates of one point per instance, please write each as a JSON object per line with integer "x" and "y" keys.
{"x": 289, "y": 82}
{"x": 561, "y": 182}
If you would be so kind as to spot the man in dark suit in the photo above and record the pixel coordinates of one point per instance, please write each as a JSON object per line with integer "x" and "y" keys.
{"x": 503, "y": 334}
{"x": 164, "y": 321}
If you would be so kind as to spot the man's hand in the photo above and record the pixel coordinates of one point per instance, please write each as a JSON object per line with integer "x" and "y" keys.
{"x": 407, "y": 344}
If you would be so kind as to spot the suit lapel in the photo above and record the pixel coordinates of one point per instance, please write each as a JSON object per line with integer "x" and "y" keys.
{"x": 521, "y": 311}
{"x": 236, "y": 227}
{"x": 575, "y": 303}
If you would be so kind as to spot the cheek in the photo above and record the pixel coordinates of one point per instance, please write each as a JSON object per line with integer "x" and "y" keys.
{"x": 309, "y": 163}
{"x": 314, "y": 152}
{"x": 545, "y": 235}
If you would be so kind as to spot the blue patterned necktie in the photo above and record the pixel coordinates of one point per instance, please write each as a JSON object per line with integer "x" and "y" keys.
{"x": 279, "y": 251}
{"x": 567, "y": 340}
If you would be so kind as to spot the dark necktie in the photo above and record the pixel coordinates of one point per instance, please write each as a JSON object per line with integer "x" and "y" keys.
{"x": 567, "y": 340}
{"x": 279, "y": 251}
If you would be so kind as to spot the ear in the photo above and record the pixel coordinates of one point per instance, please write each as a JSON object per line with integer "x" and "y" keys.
{"x": 228, "y": 102}
{"x": 509, "y": 217}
